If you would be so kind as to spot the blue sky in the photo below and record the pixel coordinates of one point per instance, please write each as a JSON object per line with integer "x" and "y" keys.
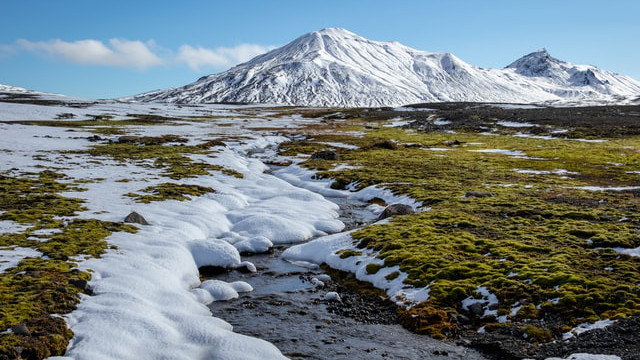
{"x": 117, "y": 48}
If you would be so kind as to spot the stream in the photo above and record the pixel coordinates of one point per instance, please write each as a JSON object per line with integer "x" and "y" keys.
{"x": 288, "y": 310}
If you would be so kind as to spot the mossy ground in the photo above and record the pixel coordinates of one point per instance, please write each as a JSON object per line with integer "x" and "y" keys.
{"x": 535, "y": 240}
{"x": 158, "y": 152}
{"x": 37, "y": 288}
{"x": 170, "y": 191}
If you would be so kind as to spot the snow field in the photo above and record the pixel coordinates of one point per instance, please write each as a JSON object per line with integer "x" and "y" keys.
{"x": 148, "y": 300}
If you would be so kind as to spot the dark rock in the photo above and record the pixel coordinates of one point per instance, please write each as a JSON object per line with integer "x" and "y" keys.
{"x": 128, "y": 139}
{"x": 325, "y": 155}
{"x": 478, "y": 194}
{"x": 65, "y": 116}
{"x": 387, "y": 144}
{"x": 476, "y": 309}
{"x": 396, "y": 209}
{"x": 212, "y": 143}
{"x": 94, "y": 138}
{"x": 136, "y": 218}
{"x": 80, "y": 284}
{"x": 21, "y": 329}
{"x": 464, "y": 320}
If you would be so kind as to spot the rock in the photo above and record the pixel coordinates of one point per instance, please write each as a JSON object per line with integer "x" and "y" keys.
{"x": 396, "y": 209}
{"x": 21, "y": 329}
{"x": 316, "y": 282}
{"x": 440, "y": 353}
{"x": 128, "y": 139}
{"x": 463, "y": 320}
{"x": 332, "y": 296}
{"x": 80, "y": 284}
{"x": 476, "y": 309}
{"x": 478, "y": 194}
{"x": 94, "y": 138}
{"x": 386, "y": 144}
{"x": 325, "y": 155}
{"x": 136, "y": 218}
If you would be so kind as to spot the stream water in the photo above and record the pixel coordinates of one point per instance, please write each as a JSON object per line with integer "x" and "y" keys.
{"x": 287, "y": 310}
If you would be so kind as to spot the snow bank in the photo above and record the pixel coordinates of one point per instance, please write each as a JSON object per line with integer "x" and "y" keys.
{"x": 323, "y": 250}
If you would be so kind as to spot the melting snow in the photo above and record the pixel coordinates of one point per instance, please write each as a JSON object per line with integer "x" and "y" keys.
{"x": 341, "y": 145}
{"x": 562, "y": 172}
{"x": 11, "y": 257}
{"x": 514, "y": 124}
{"x": 500, "y": 151}
{"x": 600, "y": 324}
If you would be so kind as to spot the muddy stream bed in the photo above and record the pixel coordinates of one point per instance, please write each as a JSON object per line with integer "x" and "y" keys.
{"x": 288, "y": 309}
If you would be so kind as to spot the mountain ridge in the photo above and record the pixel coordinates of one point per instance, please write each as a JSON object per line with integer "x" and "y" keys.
{"x": 335, "y": 67}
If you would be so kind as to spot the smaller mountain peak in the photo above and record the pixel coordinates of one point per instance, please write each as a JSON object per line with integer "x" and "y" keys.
{"x": 537, "y": 63}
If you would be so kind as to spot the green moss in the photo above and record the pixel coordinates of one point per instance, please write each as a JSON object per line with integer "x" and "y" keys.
{"x": 373, "y": 268}
{"x": 33, "y": 199}
{"x": 392, "y": 276}
{"x": 537, "y": 334}
{"x": 170, "y": 191}
{"x": 161, "y": 152}
{"x": 38, "y": 287}
{"x": 535, "y": 237}
{"x": 346, "y": 253}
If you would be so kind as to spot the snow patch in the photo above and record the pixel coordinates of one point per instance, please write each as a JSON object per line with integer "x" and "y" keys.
{"x": 12, "y": 256}
{"x": 600, "y": 324}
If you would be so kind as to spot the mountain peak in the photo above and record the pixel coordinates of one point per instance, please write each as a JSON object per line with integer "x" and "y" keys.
{"x": 335, "y": 31}
{"x": 537, "y": 63}
{"x": 335, "y": 67}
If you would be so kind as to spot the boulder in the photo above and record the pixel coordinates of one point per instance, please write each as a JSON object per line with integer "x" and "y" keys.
{"x": 21, "y": 329}
{"x": 476, "y": 309}
{"x": 136, "y": 218}
{"x": 80, "y": 284}
{"x": 396, "y": 209}
{"x": 128, "y": 139}
{"x": 386, "y": 144}
{"x": 325, "y": 155}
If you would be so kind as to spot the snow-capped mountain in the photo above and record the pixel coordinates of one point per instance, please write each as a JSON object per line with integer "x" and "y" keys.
{"x": 335, "y": 67}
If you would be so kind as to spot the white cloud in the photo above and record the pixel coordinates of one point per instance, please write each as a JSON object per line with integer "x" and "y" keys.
{"x": 6, "y": 50}
{"x": 136, "y": 54}
{"x": 119, "y": 52}
{"x": 199, "y": 57}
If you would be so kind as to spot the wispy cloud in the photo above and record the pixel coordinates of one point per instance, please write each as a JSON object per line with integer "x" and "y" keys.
{"x": 118, "y": 52}
{"x": 135, "y": 54}
{"x": 198, "y": 58}
{"x": 6, "y": 50}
